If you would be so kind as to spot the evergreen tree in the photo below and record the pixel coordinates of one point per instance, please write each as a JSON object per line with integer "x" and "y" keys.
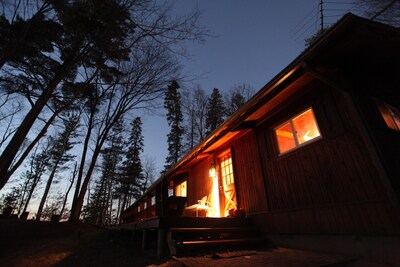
{"x": 100, "y": 207}
{"x": 215, "y": 111}
{"x": 37, "y": 168}
{"x": 90, "y": 35}
{"x": 131, "y": 182}
{"x": 58, "y": 155}
{"x": 172, "y": 103}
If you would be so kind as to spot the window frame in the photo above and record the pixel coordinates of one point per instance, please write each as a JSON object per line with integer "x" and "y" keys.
{"x": 295, "y": 138}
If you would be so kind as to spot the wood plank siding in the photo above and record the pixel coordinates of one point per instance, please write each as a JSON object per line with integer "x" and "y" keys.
{"x": 248, "y": 175}
{"x": 199, "y": 184}
{"x": 328, "y": 186}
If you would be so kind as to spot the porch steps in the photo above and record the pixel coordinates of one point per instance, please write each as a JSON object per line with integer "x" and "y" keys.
{"x": 195, "y": 240}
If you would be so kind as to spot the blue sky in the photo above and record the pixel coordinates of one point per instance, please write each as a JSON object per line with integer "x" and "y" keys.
{"x": 254, "y": 40}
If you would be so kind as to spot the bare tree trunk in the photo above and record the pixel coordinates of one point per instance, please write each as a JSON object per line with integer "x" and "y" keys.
{"x": 69, "y": 189}
{"x": 78, "y": 202}
{"x": 15, "y": 143}
{"x": 73, "y": 213}
{"x": 46, "y": 191}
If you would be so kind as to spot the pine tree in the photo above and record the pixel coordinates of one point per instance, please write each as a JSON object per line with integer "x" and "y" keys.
{"x": 37, "y": 168}
{"x": 58, "y": 155}
{"x": 131, "y": 182}
{"x": 215, "y": 111}
{"x": 99, "y": 209}
{"x": 172, "y": 102}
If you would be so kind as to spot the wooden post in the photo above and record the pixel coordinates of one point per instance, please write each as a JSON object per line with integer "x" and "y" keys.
{"x": 144, "y": 239}
{"x": 161, "y": 242}
{"x": 164, "y": 196}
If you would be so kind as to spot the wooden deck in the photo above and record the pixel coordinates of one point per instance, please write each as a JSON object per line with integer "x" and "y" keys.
{"x": 182, "y": 234}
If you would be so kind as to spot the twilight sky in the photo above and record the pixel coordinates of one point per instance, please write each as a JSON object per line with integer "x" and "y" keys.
{"x": 254, "y": 40}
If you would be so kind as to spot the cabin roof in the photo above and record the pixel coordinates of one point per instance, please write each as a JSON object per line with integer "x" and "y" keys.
{"x": 351, "y": 34}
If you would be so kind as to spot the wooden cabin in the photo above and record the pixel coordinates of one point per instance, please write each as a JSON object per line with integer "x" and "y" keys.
{"x": 312, "y": 160}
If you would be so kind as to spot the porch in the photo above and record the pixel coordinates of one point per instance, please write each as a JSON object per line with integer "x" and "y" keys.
{"x": 188, "y": 235}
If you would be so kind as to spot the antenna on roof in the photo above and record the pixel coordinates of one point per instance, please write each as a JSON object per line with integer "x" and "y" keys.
{"x": 321, "y": 11}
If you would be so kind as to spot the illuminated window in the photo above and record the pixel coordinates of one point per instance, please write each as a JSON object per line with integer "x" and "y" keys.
{"x": 145, "y": 205}
{"x": 391, "y": 115}
{"x": 181, "y": 190}
{"x": 227, "y": 170}
{"x": 297, "y": 131}
{"x": 153, "y": 200}
{"x": 138, "y": 208}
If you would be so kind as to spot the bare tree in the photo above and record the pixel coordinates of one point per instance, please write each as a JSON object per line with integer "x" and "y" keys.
{"x": 149, "y": 171}
{"x": 71, "y": 183}
{"x": 74, "y": 35}
{"x": 386, "y": 11}
{"x": 194, "y": 104}
{"x": 236, "y": 97}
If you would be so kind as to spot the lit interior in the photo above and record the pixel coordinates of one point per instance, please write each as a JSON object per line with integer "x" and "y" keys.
{"x": 285, "y": 138}
{"x": 227, "y": 170}
{"x": 298, "y": 130}
{"x": 228, "y": 183}
{"x": 181, "y": 189}
{"x": 391, "y": 115}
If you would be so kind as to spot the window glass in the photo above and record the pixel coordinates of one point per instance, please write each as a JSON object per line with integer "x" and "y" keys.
{"x": 145, "y": 205}
{"x": 284, "y": 135}
{"x": 300, "y": 129}
{"x": 181, "y": 189}
{"x": 227, "y": 170}
{"x": 153, "y": 200}
{"x": 305, "y": 127}
{"x": 391, "y": 115}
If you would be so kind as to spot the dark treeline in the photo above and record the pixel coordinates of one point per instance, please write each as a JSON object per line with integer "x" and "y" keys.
{"x": 192, "y": 114}
{"x": 73, "y": 75}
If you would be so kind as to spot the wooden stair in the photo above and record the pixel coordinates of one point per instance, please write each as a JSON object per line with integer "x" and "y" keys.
{"x": 196, "y": 240}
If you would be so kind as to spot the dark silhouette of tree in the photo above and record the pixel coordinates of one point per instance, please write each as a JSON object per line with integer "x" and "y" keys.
{"x": 131, "y": 180}
{"x": 99, "y": 209}
{"x": 236, "y": 97}
{"x": 59, "y": 155}
{"x": 194, "y": 109}
{"x": 385, "y": 11}
{"x": 311, "y": 40}
{"x": 172, "y": 103}
{"x": 24, "y": 35}
{"x": 215, "y": 111}
{"x": 90, "y": 35}
{"x": 71, "y": 183}
{"x": 36, "y": 169}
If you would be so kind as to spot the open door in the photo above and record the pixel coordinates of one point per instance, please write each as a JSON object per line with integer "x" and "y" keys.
{"x": 227, "y": 190}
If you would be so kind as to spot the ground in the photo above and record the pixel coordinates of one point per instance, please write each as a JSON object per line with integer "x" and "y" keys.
{"x": 30, "y": 243}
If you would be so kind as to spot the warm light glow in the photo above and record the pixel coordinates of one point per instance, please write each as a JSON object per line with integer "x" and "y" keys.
{"x": 214, "y": 201}
{"x": 391, "y": 115}
{"x": 228, "y": 183}
{"x": 181, "y": 189}
{"x": 297, "y": 131}
{"x": 212, "y": 171}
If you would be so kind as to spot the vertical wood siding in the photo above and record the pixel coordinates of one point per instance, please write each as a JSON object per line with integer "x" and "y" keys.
{"x": 328, "y": 186}
{"x": 199, "y": 184}
{"x": 248, "y": 176}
